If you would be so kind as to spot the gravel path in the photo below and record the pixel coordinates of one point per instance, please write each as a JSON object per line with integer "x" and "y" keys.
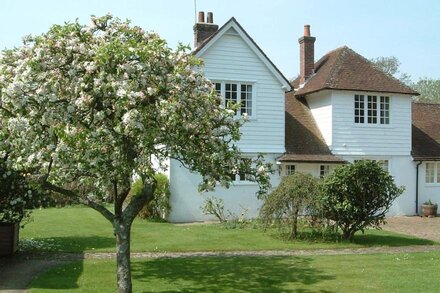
{"x": 16, "y": 273}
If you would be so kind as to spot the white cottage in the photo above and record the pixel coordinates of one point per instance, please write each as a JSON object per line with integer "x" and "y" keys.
{"x": 340, "y": 109}
{"x": 241, "y": 72}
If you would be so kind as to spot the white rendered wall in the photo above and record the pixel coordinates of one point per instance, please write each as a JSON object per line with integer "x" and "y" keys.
{"x": 231, "y": 59}
{"x": 427, "y": 191}
{"x": 186, "y": 201}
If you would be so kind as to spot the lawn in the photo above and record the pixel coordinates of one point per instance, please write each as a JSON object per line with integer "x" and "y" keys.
{"x": 416, "y": 272}
{"x": 79, "y": 229}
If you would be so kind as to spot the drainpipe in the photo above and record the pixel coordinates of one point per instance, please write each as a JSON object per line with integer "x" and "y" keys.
{"x": 417, "y": 186}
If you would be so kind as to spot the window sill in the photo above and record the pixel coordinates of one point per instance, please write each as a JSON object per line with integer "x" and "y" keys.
{"x": 432, "y": 185}
{"x": 366, "y": 125}
{"x": 244, "y": 183}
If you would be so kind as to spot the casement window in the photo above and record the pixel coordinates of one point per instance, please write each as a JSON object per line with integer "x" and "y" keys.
{"x": 241, "y": 175}
{"x": 237, "y": 92}
{"x": 371, "y": 109}
{"x": 289, "y": 169}
{"x": 432, "y": 173}
{"x": 324, "y": 170}
{"x": 385, "y": 164}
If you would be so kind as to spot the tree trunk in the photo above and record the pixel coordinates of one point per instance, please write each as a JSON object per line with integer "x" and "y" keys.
{"x": 294, "y": 228}
{"x": 122, "y": 231}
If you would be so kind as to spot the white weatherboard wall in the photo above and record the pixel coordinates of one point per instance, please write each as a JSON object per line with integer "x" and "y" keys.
{"x": 231, "y": 59}
{"x": 367, "y": 139}
{"x": 186, "y": 201}
{"x": 320, "y": 105}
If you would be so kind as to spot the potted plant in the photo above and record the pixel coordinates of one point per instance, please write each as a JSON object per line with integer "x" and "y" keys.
{"x": 17, "y": 196}
{"x": 429, "y": 209}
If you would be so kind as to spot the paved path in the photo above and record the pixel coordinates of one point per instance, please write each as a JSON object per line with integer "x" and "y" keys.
{"x": 422, "y": 227}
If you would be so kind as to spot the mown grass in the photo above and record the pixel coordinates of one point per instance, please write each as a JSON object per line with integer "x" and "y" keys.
{"x": 79, "y": 229}
{"x": 416, "y": 272}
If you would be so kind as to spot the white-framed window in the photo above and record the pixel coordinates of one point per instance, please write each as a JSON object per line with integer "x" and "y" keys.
{"x": 289, "y": 169}
{"x": 324, "y": 170}
{"x": 372, "y": 110}
{"x": 432, "y": 173}
{"x": 241, "y": 176}
{"x": 237, "y": 92}
{"x": 385, "y": 164}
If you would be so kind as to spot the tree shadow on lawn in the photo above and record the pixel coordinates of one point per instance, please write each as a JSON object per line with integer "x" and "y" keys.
{"x": 68, "y": 244}
{"x": 226, "y": 274}
{"x": 43, "y": 257}
{"x": 390, "y": 240}
{"x": 370, "y": 238}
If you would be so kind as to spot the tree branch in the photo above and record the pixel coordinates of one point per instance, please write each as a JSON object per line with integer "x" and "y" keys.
{"x": 138, "y": 202}
{"x": 72, "y": 194}
{"x": 99, "y": 208}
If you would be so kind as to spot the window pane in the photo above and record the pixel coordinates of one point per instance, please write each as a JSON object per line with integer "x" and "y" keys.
{"x": 384, "y": 164}
{"x": 384, "y": 110}
{"x": 290, "y": 169}
{"x": 246, "y": 99}
{"x": 438, "y": 173}
{"x": 243, "y": 175}
{"x": 324, "y": 170}
{"x": 372, "y": 109}
{"x": 429, "y": 174}
{"x": 359, "y": 109}
{"x": 230, "y": 93}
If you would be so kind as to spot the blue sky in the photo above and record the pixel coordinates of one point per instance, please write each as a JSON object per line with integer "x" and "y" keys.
{"x": 409, "y": 30}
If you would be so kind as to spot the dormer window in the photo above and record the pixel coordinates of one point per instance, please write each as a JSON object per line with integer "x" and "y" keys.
{"x": 237, "y": 92}
{"x": 371, "y": 109}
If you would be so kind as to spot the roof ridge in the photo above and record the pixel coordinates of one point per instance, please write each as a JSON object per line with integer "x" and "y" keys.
{"x": 339, "y": 57}
{"x": 426, "y": 103}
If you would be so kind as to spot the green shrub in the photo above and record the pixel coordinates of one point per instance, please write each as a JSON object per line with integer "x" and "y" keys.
{"x": 159, "y": 207}
{"x": 216, "y": 207}
{"x": 297, "y": 194}
{"x": 357, "y": 196}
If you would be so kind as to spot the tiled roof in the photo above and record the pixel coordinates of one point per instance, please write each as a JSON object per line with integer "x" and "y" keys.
{"x": 425, "y": 131}
{"x": 303, "y": 140}
{"x": 344, "y": 69}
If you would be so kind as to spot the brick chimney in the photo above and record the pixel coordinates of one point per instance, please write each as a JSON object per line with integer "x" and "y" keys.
{"x": 203, "y": 30}
{"x": 307, "y": 55}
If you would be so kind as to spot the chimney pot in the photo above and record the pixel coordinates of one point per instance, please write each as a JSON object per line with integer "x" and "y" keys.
{"x": 210, "y": 18}
{"x": 307, "y": 30}
{"x": 201, "y": 17}
{"x": 203, "y": 30}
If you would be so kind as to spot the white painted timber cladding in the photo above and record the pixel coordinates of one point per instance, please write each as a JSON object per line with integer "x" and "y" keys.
{"x": 320, "y": 105}
{"x": 349, "y": 138}
{"x": 231, "y": 59}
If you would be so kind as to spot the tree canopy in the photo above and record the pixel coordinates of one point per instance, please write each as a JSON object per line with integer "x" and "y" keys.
{"x": 85, "y": 108}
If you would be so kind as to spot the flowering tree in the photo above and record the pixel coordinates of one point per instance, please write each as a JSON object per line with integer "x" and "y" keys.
{"x": 95, "y": 105}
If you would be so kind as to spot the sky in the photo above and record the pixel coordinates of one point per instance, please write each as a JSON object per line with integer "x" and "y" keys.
{"x": 408, "y": 30}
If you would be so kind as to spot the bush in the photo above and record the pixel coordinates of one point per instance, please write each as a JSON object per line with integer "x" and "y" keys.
{"x": 216, "y": 207}
{"x": 297, "y": 194}
{"x": 159, "y": 207}
{"x": 17, "y": 195}
{"x": 357, "y": 196}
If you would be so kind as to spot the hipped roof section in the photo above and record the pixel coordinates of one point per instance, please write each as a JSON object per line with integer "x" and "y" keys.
{"x": 426, "y": 132}
{"x": 233, "y": 23}
{"x": 344, "y": 69}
